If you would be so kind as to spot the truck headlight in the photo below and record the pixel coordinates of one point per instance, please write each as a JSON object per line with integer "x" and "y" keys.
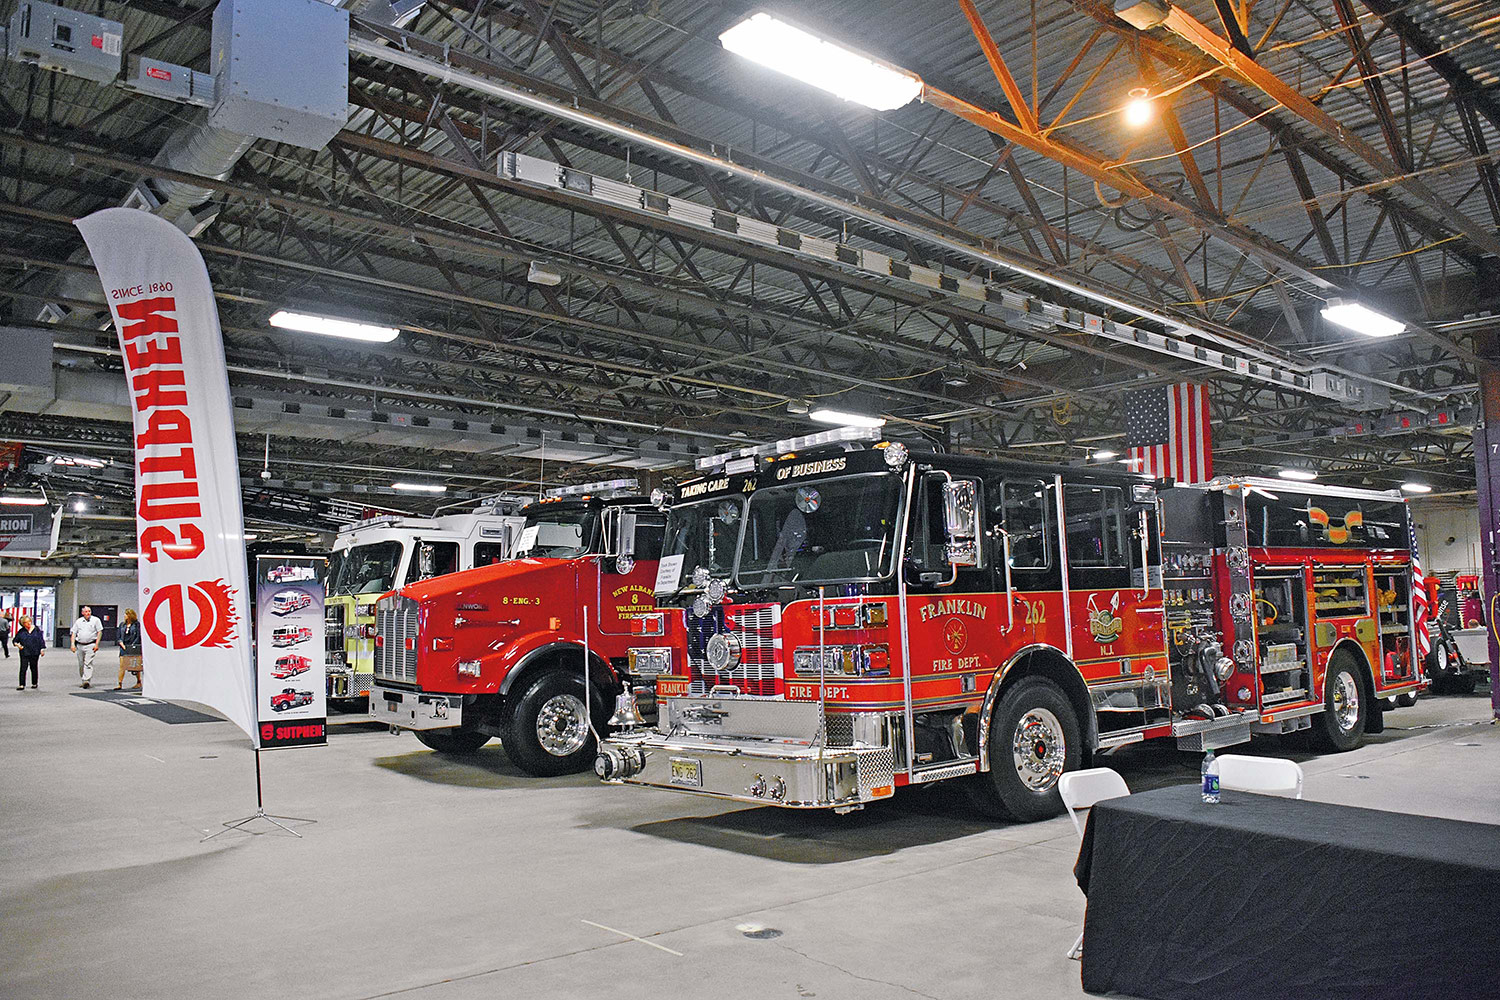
{"x": 468, "y": 668}
{"x": 650, "y": 661}
{"x": 848, "y": 660}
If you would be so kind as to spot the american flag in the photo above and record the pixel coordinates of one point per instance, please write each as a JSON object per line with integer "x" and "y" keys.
{"x": 1419, "y": 608}
{"x": 1167, "y": 432}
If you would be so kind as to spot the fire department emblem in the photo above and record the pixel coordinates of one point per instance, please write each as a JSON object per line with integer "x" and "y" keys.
{"x": 1104, "y": 625}
{"x": 955, "y": 635}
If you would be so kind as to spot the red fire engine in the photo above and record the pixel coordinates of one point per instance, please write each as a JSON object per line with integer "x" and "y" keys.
{"x": 862, "y": 618}
{"x": 290, "y": 635}
{"x": 285, "y": 602}
{"x": 500, "y": 650}
{"x": 290, "y": 698}
{"x": 290, "y": 666}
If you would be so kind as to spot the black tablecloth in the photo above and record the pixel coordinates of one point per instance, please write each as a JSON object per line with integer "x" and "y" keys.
{"x": 1265, "y": 897}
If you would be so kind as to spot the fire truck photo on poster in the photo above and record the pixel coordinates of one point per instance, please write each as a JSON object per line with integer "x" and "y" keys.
{"x": 291, "y": 685}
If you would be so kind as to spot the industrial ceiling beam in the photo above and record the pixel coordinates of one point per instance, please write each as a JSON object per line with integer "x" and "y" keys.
{"x": 1146, "y": 14}
{"x": 1392, "y": 13}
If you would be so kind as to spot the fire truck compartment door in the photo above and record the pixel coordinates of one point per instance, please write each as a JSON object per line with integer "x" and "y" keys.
{"x": 758, "y": 717}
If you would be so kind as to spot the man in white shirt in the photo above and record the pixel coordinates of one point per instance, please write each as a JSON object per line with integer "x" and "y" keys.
{"x": 86, "y": 633}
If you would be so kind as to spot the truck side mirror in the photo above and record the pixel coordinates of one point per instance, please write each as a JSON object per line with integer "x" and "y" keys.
{"x": 424, "y": 560}
{"x": 961, "y": 522}
{"x": 625, "y": 541}
{"x": 628, "y": 520}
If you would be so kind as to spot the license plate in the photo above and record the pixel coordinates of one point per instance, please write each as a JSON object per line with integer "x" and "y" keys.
{"x": 686, "y": 772}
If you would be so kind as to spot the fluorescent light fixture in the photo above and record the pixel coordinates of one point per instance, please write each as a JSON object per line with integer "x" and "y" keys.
{"x": 1416, "y": 488}
{"x": 1298, "y": 475}
{"x": 1361, "y": 319}
{"x": 540, "y": 273}
{"x": 1104, "y": 455}
{"x": 420, "y": 487}
{"x": 80, "y": 506}
{"x": 251, "y": 536}
{"x": 841, "y": 71}
{"x": 846, "y": 419}
{"x": 92, "y": 463}
{"x": 15, "y": 501}
{"x": 331, "y": 326}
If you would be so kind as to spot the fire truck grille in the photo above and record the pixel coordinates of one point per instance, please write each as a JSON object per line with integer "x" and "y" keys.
{"x": 758, "y": 629}
{"x": 396, "y": 642}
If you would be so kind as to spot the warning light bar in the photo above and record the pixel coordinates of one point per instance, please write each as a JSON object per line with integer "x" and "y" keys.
{"x": 610, "y": 487}
{"x": 839, "y": 435}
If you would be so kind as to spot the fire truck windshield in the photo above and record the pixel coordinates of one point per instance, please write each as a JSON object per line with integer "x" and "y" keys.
{"x": 367, "y": 569}
{"x": 821, "y": 531}
{"x": 557, "y": 534}
{"x": 706, "y": 534}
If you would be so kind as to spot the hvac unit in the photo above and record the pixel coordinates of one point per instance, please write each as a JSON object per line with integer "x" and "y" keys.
{"x": 65, "y": 41}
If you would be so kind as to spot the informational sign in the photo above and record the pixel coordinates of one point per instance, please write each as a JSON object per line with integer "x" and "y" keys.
{"x": 194, "y": 591}
{"x": 669, "y": 574}
{"x": 291, "y": 673}
{"x": 27, "y": 535}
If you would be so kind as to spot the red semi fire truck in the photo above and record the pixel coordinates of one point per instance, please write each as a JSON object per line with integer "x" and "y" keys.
{"x": 859, "y": 618}
{"x": 500, "y": 650}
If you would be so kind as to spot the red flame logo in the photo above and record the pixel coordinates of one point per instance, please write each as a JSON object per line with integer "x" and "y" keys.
{"x": 180, "y": 616}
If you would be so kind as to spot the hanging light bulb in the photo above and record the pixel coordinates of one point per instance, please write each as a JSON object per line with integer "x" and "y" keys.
{"x": 1139, "y": 110}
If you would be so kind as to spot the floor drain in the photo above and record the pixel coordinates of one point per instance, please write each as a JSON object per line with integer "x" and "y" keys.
{"x": 758, "y": 932}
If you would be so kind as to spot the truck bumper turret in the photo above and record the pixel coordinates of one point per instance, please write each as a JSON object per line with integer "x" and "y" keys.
{"x": 415, "y": 710}
{"x": 765, "y": 772}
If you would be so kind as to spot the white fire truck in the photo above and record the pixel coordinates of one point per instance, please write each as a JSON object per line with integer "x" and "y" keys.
{"x": 381, "y": 554}
{"x": 860, "y": 618}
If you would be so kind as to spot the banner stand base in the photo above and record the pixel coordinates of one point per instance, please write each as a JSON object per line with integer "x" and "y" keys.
{"x": 242, "y": 825}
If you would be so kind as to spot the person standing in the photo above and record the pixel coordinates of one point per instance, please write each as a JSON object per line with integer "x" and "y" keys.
{"x": 85, "y": 636}
{"x": 130, "y": 649}
{"x": 31, "y": 644}
{"x": 5, "y": 622}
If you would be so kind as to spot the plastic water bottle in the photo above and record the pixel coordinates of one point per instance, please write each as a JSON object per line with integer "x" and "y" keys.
{"x": 1210, "y": 772}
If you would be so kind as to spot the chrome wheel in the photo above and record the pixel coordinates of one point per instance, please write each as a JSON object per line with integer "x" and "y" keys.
{"x": 1039, "y": 749}
{"x": 1346, "y": 701}
{"x": 562, "y": 725}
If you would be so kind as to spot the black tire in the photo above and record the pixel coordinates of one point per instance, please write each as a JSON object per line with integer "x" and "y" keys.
{"x": 1439, "y": 664}
{"x": 1346, "y": 706}
{"x": 1465, "y": 683}
{"x": 551, "y": 692}
{"x": 1406, "y": 700}
{"x": 456, "y": 741}
{"x": 1002, "y": 792}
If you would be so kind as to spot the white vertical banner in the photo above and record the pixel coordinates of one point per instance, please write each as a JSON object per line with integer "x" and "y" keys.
{"x": 194, "y": 591}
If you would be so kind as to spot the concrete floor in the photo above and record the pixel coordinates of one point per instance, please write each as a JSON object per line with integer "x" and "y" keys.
{"x": 439, "y": 880}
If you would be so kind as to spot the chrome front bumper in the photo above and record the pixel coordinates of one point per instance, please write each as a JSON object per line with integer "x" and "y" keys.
{"x": 764, "y": 772}
{"x": 413, "y": 710}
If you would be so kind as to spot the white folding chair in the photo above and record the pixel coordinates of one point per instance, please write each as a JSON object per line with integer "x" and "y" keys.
{"x": 1081, "y": 790}
{"x": 1266, "y": 775}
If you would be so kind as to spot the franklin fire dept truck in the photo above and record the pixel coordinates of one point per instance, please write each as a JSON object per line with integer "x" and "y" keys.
{"x": 859, "y": 617}
{"x": 385, "y": 553}
{"x": 500, "y": 651}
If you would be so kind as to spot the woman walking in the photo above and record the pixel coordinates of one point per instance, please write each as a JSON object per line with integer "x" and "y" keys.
{"x": 130, "y": 649}
{"x": 31, "y": 644}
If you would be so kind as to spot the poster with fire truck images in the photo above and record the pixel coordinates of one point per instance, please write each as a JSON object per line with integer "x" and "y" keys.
{"x": 291, "y": 672}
